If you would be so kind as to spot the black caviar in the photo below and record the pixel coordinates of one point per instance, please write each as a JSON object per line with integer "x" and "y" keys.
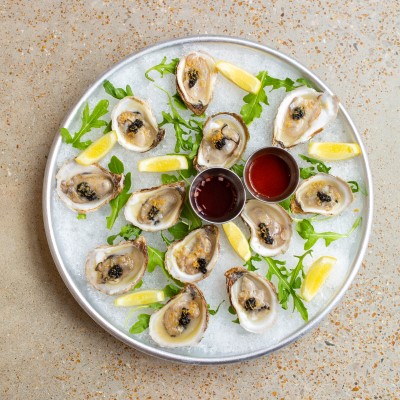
{"x": 152, "y": 213}
{"x": 115, "y": 272}
{"x": 184, "y": 320}
{"x": 202, "y": 263}
{"x": 264, "y": 233}
{"x": 85, "y": 191}
{"x": 193, "y": 77}
{"x": 324, "y": 198}
{"x": 298, "y": 113}
{"x": 135, "y": 126}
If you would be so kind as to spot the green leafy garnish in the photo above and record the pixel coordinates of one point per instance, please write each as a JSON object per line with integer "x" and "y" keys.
{"x": 118, "y": 203}
{"x": 238, "y": 169}
{"x": 179, "y": 102}
{"x": 116, "y": 166}
{"x": 356, "y": 187}
{"x": 213, "y": 312}
{"x": 307, "y": 232}
{"x": 286, "y": 203}
{"x": 171, "y": 290}
{"x": 127, "y": 232}
{"x": 138, "y": 285}
{"x": 163, "y": 68}
{"x": 193, "y": 221}
{"x": 141, "y": 325}
{"x": 81, "y": 216}
{"x": 252, "y": 108}
{"x": 117, "y": 93}
{"x": 285, "y": 288}
{"x": 232, "y": 310}
{"x": 108, "y": 128}
{"x": 236, "y": 321}
{"x": 250, "y": 263}
{"x": 310, "y": 171}
{"x": 179, "y": 230}
{"x": 89, "y": 121}
{"x": 156, "y": 259}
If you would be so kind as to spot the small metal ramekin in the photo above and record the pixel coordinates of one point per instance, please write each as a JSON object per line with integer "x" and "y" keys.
{"x": 233, "y": 179}
{"x": 291, "y": 163}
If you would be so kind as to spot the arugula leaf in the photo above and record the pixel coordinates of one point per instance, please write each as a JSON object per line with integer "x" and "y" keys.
{"x": 238, "y": 169}
{"x": 81, "y": 216}
{"x": 306, "y": 173}
{"x": 117, "y": 93}
{"x": 89, "y": 121}
{"x": 163, "y": 68}
{"x": 108, "y": 128}
{"x": 250, "y": 263}
{"x": 355, "y": 187}
{"x": 156, "y": 259}
{"x": 116, "y": 166}
{"x": 252, "y": 108}
{"x": 307, "y": 232}
{"x": 141, "y": 325}
{"x": 231, "y": 310}
{"x": 118, "y": 203}
{"x": 285, "y": 289}
{"x": 286, "y": 204}
{"x": 295, "y": 280}
{"x": 138, "y": 285}
{"x": 187, "y": 213}
{"x": 213, "y": 312}
{"x": 179, "y": 102}
{"x": 166, "y": 179}
{"x": 171, "y": 290}
{"x": 127, "y": 232}
{"x": 321, "y": 167}
{"x": 236, "y": 321}
{"x": 179, "y": 230}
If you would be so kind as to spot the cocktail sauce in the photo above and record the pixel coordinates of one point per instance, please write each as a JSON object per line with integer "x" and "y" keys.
{"x": 215, "y": 197}
{"x": 269, "y": 175}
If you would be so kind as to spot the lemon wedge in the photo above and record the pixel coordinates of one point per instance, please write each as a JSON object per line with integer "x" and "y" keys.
{"x": 316, "y": 276}
{"x": 163, "y": 164}
{"x": 98, "y": 149}
{"x": 139, "y": 298}
{"x": 239, "y": 76}
{"x": 329, "y": 151}
{"x": 237, "y": 240}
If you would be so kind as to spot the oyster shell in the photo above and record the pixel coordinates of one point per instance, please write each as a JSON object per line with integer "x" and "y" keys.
{"x": 182, "y": 321}
{"x": 254, "y": 299}
{"x": 303, "y": 113}
{"x": 322, "y": 194}
{"x": 156, "y": 208}
{"x": 225, "y": 137}
{"x": 270, "y": 227}
{"x": 117, "y": 269}
{"x": 135, "y": 125}
{"x": 194, "y": 257}
{"x": 195, "y": 80}
{"x": 86, "y": 188}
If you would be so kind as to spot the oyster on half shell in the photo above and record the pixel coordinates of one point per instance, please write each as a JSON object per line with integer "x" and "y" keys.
{"x": 135, "y": 125}
{"x": 322, "y": 194}
{"x": 182, "y": 321}
{"x": 195, "y": 79}
{"x": 87, "y": 188}
{"x": 253, "y": 298}
{"x": 194, "y": 257}
{"x": 270, "y": 227}
{"x": 156, "y": 208}
{"x": 225, "y": 137}
{"x": 117, "y": 269}
{"x": 303, "y": 113}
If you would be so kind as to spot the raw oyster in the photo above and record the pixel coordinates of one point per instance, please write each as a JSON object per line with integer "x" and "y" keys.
{"x": 86, "y": 188}
{"x": 156, "y": 208}
{"x": 270, "y": 227}
{"x": 117, "y": 269}
{"x": 322, "y": 194}
{"x": 182, "y": 321}
{"x": 253, "y": 297}
{"x": 135, "y": 125}
{"x": 225, "y": 137}
{"x": 303, "y": 113}
{"x": 195, "y": 80}
{"x": 194, "y": 257}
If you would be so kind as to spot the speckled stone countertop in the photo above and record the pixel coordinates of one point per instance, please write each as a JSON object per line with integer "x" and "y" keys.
{"x": 51, "y": 51}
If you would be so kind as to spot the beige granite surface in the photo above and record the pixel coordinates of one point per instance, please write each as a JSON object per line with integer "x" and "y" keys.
{"x": 50, "y": 52}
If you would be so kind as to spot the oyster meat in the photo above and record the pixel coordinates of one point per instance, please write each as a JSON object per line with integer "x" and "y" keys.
{"x": 156, "y": 208}
{"x": 270, "y": 227}
{"x": 322, "y": 194}
{"x": 195, "y": 79}
{"x": 303, "y": 113}
{"x": 135, "y": 125}
{"x": 194, "y": 257}
{"x": 253, "y": 298}
{"x": 86, "y": 188}
{"x": 117, "y": 269}
{"x": 225, "y": 137}
{"x": 182, "y": 321}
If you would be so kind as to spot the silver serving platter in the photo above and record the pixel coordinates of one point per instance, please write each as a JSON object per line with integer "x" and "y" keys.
{"x": 93, "y": 311}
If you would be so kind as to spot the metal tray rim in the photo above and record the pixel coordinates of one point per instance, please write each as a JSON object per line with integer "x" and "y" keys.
{"x": 159, "y": 352}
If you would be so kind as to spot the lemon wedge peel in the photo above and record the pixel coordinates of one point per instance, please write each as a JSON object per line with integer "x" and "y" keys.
{"x": 141, "y": 298}
{"x": 163, "y": 164}
{"x": 316, "y": 277}
{"x": 239, "y": 76}
{"x": 97, "y": 150}
{"x": 331, "y": 151}
{"x": 237, "y": 240}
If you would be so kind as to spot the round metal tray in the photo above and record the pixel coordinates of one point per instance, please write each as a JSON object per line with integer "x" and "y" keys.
{"x": 48, "y": 197}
